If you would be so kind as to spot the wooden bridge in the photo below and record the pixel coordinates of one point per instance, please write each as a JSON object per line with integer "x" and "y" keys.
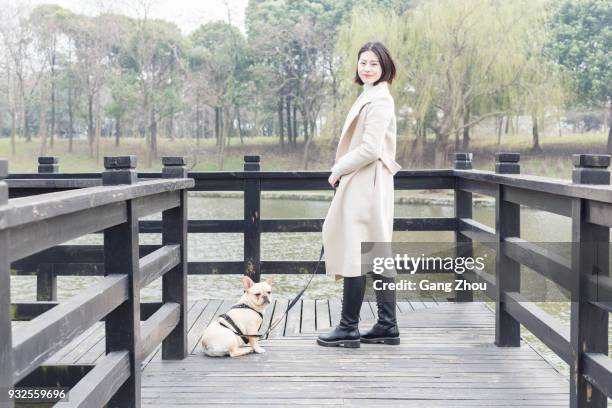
{"x": 109, "y": 348}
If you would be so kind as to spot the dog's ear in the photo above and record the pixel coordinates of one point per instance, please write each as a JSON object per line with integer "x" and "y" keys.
{"x": 269, "y": 279}
{"x": 247, "y": 282}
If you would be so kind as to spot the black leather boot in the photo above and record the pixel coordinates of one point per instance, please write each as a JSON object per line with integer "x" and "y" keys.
{"x": 346, "y": 334}
{"x": 385, "y": 330}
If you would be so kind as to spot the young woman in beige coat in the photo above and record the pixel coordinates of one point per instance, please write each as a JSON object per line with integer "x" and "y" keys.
{"x": 362, "y": 208}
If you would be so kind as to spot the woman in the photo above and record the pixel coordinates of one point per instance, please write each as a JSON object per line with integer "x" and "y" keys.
{"x": 362, "y": 208}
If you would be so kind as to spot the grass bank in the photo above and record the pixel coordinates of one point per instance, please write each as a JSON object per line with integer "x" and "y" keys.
{"x": 553, "y": 161}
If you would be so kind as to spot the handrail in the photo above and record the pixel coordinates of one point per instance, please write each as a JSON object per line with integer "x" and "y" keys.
{"x": 538, "y": 183}
{"x": 587, "y": 200}
{"x": 40, "y": 222}
{"x": 26, "y": 210}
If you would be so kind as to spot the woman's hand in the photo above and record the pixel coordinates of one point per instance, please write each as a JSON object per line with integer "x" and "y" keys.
{"x": 332, "y": 180}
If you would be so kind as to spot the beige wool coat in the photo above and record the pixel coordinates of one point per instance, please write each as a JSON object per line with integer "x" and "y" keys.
{"x": 362, "y": 208}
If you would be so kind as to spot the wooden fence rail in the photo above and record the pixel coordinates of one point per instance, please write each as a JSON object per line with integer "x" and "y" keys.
{"x": 587, "y": 200}
{"x": 31, "y": 224}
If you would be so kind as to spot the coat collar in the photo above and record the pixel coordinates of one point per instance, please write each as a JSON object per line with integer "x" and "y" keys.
{"x": 368, "y": 94}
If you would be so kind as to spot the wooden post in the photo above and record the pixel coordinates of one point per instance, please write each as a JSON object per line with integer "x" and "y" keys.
{"x": 252, "y": 227}
{"x": 121, "y": 256}
{"x": 463, "y": 209}
{"x": 6, "y": 343}
{"x": 47, "y": 164}
{"x": 507, "y": 163}
{"x": 174, "y": 282}
{"x": 589, "y": 323}
{"x": 46, "y": 280}
{"x": 508, "y": 271}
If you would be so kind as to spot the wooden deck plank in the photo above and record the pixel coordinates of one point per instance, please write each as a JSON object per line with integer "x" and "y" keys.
{"x": 404, "y": 307}
{"x": 268, "y": 316}
{"x": 213, "y": 308}
{"x": 292, "y": 322}
{"x": 99, "y": 350}
{"x": 95, "y": 352}
{"x": 307, "y": 324}
{"x": 446, "y": 358}
{"x": 335, "y": 308}
{"x": 79, "y": 346}
{"x": 416, "y": 304}
{"x": 194, "y": 310}
{"x": 323, "y": 320}
{"x": 281, "y": 307}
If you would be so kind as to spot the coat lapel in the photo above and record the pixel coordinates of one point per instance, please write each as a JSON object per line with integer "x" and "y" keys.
{"x": 363, "y": 100}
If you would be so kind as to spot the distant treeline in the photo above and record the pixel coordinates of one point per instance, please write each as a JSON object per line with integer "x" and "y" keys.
{"x": 64, "y": 74}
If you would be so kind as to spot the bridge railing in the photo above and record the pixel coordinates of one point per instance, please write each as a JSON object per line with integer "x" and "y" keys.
{"x": 32, "y": 224}
{"x": 87, "y": 259}
{"x": 587, "y": 200}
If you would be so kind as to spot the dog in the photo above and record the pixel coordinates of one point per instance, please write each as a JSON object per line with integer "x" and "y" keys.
{"x": 222, "y": 337}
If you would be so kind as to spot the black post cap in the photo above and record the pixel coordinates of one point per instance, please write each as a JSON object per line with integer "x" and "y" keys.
{"x": 173, "y": 161}
{"x": 463, "y": 161}
{"x": 174, "y": 167}
{"x": 507, "y": 157}
{"x": 507, "y": 163}
{"x": 591, "y": 169}
{"x": 464, "y": 156}
{"x": 251, "y": 159}
{"x": 120, "y": 162}
{"x": 48, "y": 160}
{"x": 591, "y": 160}
{"x": 252, "y": 163}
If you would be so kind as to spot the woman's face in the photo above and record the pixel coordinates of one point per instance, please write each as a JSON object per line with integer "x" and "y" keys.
{"x": 368, "y": 67}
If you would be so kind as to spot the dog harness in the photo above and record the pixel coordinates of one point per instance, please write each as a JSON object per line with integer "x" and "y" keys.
{"x": 234, "y": 327}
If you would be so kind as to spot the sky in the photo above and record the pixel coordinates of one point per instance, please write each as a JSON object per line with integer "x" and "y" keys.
{"x": 187, "y": 14}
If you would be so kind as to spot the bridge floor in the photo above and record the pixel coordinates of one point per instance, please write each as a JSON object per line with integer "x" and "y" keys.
{"x": 446, "y": 359}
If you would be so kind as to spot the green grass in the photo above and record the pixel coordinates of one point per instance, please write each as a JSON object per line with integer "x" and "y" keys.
{"x": 524, "y": 141}
{"x": 199, "y": 158}
{"x": 555, "y": 161}
{"x": 555, "y": 167}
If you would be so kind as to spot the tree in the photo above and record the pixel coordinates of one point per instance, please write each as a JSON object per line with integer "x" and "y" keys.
{"x": 124, "y": 98}
{"x": 92, "y": 39}
{"x": 581, "y": 34}
{"x": 155, "y": 54}
{"x": 293, "y": 45}
{"x": 459, "y": 63}
{"x": 48, "y": 22}
{"x": 25, "y": 65}
{"x": 222, "y": 55}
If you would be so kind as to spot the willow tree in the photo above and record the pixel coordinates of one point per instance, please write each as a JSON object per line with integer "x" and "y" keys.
{"x": 457, "y": 61}
{"x": 367, "y": 24}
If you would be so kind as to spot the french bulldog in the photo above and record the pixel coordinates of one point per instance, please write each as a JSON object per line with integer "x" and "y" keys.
{"x": 220, "y": 338}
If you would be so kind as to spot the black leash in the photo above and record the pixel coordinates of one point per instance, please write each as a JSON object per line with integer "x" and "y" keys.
{"x": 299, "y": 295}
{"x": 234, "y": 328}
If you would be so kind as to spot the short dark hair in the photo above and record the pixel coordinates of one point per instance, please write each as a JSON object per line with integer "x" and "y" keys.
{"x": 384, "y": 58}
